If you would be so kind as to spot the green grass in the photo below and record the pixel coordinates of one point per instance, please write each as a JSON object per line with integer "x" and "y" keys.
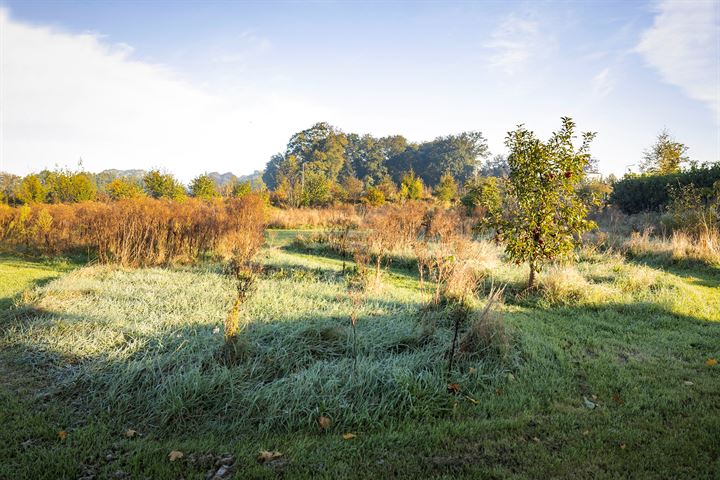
{"x": 102, "y": 350}
{"x": 17, "y": 274}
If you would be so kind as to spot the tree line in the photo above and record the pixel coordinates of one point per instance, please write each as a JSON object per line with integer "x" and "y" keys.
{"x": 323, "y": 165}
{"x": 67, "y": 186}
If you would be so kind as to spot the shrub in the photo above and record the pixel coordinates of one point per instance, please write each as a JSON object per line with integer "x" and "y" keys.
{"x": 689, "y": 210}
{"x": 373, "y": 196}
{"x": 638, "y": 193}
{"x": 31, "y": 190}
{"x": 159, "y": 185}
{"x": 447, "y": 189}
{"x": 122, "y": 189}
{"x": 66, "y": 187}
{"x": 141, "y": 231}
{"x": 484, "y": 199}
{"x": 411, "y": 187}
{"x": 203, "y": 187}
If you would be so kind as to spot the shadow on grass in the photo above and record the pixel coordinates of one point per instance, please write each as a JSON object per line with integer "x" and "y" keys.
{"x": 293, "y": 271}
{"x": 398, "y": 265}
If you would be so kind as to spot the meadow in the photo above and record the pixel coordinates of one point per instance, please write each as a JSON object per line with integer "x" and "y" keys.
{"x": 331, "y": 370}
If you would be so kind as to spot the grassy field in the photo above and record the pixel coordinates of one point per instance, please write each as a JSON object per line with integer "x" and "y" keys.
{"x": 108, "y": 370}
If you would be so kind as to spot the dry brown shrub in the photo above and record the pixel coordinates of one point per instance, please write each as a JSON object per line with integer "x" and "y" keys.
{"x": 390, "y": 228}
{"x": 293, "y": 218}
{"x": 141, "y": 231}
{"x": 444, "y": 225}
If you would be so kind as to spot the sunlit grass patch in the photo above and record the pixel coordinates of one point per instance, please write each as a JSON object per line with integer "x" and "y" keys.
{"x": 111, "y": 349}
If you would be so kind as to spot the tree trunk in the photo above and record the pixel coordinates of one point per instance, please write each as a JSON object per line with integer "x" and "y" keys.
{"x": 531, "y": 279}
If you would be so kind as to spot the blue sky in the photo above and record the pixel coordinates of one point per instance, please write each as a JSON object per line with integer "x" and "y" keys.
{"x": 220, "y": 86}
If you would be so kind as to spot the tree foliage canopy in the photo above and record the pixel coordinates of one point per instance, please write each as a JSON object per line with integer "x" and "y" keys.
{"x": 204, "y": 187}
{"x": 664, "y": 156}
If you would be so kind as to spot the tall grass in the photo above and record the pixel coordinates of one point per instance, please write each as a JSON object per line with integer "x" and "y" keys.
{"x": 295, "y": 218}
{"x": 703, "y": 247}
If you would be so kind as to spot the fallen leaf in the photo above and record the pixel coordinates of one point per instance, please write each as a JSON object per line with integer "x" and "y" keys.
{"x": 175, "y": 455}
{"x": 622, "y": 445}
{"x": 472, "y": 371}
{"x": 130, "y": 433}
{"x": 216, "y": 330}
{"x": 711, "y": 362}
{"x": 268, "y": 455}
{"x": 688, "y": 382}
{"x": 62, "y": 434}
{"x": 536, "y": 439}
{"x": 498, "y": 391}
{"x": 511, "y": 377}
{"x": 454, "y": 388}
{"x": 324, "y": 422}
{"x": 589, "y": 404}
{"x": 618, "y": 399}
{"x": 586, "y": 433}
{"x": 349, "y": 436}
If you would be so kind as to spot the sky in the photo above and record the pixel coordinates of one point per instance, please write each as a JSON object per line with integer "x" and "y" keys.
{"x": 192, "y": 87}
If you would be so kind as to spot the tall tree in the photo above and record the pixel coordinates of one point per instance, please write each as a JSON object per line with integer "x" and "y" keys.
{"x": 664, "y": 156}
{"x": 272, "y": 169}
{"x": 321, "y": 148}
{"x": 460, "y": 155}
{"x": 290, "y": 182}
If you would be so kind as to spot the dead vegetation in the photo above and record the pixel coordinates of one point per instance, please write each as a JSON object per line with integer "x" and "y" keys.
{"x": 139, "y": 232}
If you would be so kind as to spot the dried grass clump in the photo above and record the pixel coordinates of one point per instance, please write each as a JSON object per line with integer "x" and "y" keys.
{"x": 487, "y": 335}
{"x": 703, "y": 247}
{"x": 564, "y": 285}
{"x": 638, "y": 279}
{"x": 454, "y": 269}
{"x": 140, "y": 232}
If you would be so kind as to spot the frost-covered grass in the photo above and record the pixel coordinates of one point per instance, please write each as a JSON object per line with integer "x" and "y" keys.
{"x": 112, "y": 349}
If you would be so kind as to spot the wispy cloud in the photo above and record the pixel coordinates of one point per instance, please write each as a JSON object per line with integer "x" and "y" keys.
{"x": 513, "y": 43}
{"x": 65, "y": 96}
{"x": 684, "y": 46}
{"x": 244, "y": 47}
{"x": 602, "y": 83}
